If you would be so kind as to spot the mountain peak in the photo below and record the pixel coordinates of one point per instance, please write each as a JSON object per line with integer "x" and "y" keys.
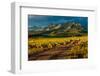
{"x": 65, "y": 29}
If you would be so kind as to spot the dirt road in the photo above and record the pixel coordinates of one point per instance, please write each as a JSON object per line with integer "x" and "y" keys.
{"x": 54, "y": 53}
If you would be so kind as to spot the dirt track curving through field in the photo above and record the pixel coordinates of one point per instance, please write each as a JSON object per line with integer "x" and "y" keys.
{"x": 54, "y": 53}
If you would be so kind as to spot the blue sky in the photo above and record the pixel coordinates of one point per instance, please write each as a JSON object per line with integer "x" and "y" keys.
{"x": 43, "y": 20}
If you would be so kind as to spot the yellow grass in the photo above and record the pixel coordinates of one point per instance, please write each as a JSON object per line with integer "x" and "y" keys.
{"x": 40, "y": 41}
{"x": 36, "y": 45}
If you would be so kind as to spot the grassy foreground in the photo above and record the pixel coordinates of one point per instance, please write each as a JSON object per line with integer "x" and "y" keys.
{"x": 57, "y": 48}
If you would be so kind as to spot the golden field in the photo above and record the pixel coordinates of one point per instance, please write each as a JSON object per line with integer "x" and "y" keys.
{"x": 57, "y": 48}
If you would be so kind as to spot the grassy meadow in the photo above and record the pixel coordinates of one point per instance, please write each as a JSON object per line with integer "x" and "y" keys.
{"x": 58, "y": 48}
